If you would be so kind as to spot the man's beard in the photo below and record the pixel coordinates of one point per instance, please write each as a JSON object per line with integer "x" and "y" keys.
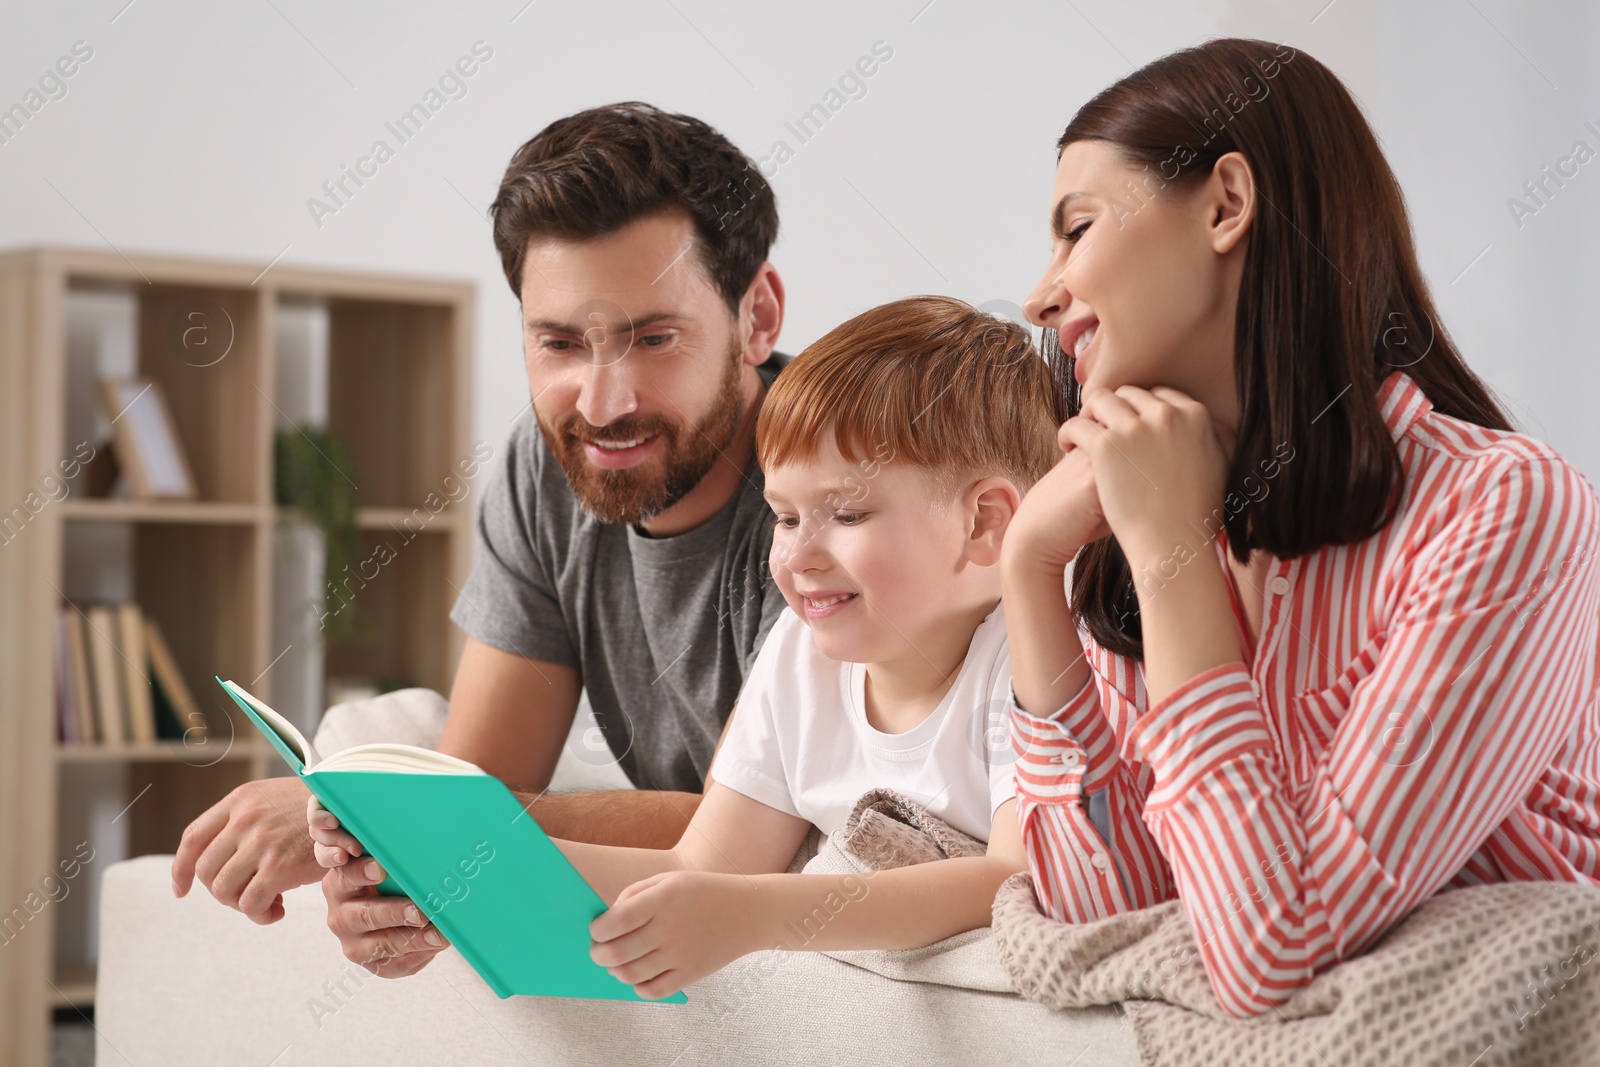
{"x": 640, "y": 492}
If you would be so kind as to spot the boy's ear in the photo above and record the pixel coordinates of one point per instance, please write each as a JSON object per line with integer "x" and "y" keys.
{"x": 991, "y": 504}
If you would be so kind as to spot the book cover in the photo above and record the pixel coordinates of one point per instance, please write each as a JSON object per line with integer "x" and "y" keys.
{"x": 456, "y": 841}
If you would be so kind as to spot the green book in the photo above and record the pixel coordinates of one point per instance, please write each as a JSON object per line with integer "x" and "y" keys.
{"x": 456, "y": 841}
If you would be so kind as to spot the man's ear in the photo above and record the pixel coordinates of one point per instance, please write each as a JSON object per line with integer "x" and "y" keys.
{"x": 1229, "y": 200}
{"x": 761, "y": 315}
{"x": 990, "y": 503}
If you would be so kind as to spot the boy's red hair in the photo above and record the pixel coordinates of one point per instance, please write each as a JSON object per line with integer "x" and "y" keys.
{"x": 928, "y": 381}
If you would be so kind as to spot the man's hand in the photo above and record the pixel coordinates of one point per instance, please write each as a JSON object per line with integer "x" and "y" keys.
{"x": 249, "y": 848}
{"x": 671, "y": 930}
{"x": 389, "y": 936}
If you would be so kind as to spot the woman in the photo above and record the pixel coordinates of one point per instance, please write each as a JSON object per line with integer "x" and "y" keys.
{"x": 1331, "y": 641}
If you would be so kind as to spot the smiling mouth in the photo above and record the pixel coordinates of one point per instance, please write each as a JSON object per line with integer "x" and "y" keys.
{"x": 617, "y": 446}
{"x": 616, "y": 455}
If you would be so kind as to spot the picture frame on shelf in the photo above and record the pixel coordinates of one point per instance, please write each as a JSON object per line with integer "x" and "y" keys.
{"x": 145, "y": 439}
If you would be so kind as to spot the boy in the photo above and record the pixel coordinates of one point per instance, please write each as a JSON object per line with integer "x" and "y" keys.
{"x": 895, "y": 449}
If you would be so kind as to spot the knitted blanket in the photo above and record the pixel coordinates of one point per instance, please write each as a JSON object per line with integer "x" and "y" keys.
{"x": 1491, "y": 974}
{"x": 1488, "y": 975}
{"x": 885, "y": 829}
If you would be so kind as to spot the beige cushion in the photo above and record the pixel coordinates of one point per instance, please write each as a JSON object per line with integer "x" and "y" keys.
{"x": 190, "y": 982}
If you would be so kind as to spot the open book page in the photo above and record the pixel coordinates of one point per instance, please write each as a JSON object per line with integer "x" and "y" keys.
{"x": 378, "y": 756}
{"x": 401, "y": 759}
{"x": 282, "y": 727}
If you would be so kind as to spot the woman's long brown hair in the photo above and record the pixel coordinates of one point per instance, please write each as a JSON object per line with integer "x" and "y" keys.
{"x": 1331, "y": 301}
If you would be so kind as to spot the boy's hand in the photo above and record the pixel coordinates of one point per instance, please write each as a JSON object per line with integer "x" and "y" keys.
{"x": 332, "y": 846}
{"x": 389, "y": 936}
{"x": 670, "y": 930}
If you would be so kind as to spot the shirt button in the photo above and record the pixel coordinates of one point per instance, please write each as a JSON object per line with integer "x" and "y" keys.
{"x": 1101, "y": 861}
{"x": 1068, "y": 759}
{"x": 1279, "y": 585}
{"x": 1255, "y": 687}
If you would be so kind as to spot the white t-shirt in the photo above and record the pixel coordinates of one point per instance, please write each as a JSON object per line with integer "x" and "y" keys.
{"x": 800, "y": 741}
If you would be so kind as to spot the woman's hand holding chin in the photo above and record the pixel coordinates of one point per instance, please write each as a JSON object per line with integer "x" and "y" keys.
{"x": 1159, "y": 466}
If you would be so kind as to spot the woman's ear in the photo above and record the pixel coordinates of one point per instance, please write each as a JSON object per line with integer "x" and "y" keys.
{"x": 1230, "y": 195}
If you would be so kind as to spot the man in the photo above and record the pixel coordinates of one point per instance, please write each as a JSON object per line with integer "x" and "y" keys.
{"x": 623, "y": 546}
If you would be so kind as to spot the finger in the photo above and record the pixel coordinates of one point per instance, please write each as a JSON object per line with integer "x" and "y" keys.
{"x": 625, "y": 948}
{"x": 353, "y": 878}
{"x": 234, "y": 873}
{"x": 633, "y": 889}
{"x": 1176, "y": 397}
{"x": 663, "y": 985}
{"x": 621, "y": 918}
{"x": 325, "y": 828}
{"x": 262, "y": 899}
{"x": 196, "y": 836}
{"x": 270, "y": 913}
{"x": 1083, "y": 433}
{"x": 330, "y": 855}
{"x": 385, "y": 965}
{"x": 390, "y": 953}
{"x": 359, "y": 912}
{"x": 378, "y": 957}
{"x": 1143, "y": 401}
{"x": 647, "y": 967}
{"x": 342, "y": 839}
{"x": 615, "y": 923}
{"x": 1108, "y": 408}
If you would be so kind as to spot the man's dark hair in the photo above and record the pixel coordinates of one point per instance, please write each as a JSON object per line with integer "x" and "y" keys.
{"x": 592, "y": 173}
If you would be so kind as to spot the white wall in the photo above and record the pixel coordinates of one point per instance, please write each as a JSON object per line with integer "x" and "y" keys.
{"x": 203, "y": 130}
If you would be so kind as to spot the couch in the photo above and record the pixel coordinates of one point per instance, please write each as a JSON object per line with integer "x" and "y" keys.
{"x": 191, "y": 982}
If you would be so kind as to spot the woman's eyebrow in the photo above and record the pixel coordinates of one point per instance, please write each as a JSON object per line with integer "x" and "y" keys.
{"x": 1061, "y": 209}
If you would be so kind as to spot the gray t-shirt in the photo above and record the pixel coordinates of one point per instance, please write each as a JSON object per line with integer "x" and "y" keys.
{"x": 662, "y": 630}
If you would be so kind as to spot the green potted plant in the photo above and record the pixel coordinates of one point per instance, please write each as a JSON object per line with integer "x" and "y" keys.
{"x": 314, "y": 472}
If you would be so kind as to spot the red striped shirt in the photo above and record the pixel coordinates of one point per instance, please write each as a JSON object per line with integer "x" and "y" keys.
{"x": 1420, "y": 715}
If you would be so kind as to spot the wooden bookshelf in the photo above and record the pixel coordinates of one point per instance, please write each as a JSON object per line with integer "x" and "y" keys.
{"x": 398, "y": 386}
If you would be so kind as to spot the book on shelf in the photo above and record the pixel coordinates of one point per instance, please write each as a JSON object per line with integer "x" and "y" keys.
{"x": 105, "y": 673}
{"x": 68, "y": 700}
{"x": 177, "y": 713}
{"x": 82, "y": 694}
{"x": 118, "y": 681}
{"x": 141, "y": 717}
{"x": 456, "y": 841}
